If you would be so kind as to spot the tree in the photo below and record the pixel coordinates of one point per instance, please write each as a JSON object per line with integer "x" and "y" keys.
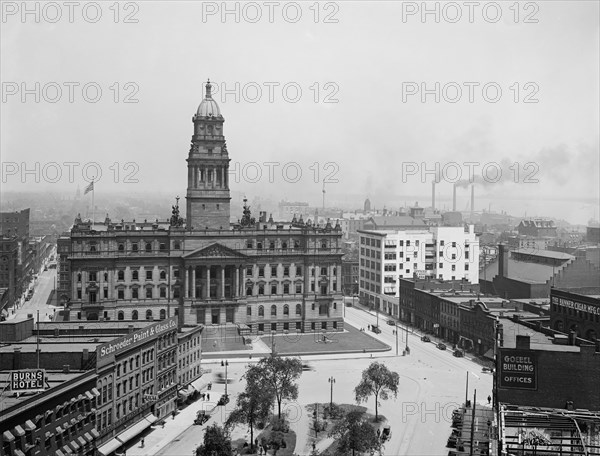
{"x": 279, "y": 375}
{"x": 216, "y": 442}
{"x": 353, "y": 433}
{"x": 252, "y": 404}
{"x": 379, "y": 381}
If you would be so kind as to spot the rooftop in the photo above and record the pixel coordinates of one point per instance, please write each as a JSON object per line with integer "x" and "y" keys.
{"x": 522, "y": 271}
{"x": 544, "y": 254}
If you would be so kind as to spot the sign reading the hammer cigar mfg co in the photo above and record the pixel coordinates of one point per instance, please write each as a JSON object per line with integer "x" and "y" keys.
{"x": 518, "y": 369}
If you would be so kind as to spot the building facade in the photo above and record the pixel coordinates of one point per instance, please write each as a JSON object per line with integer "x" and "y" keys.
{"x": 575, "y": 312}
{"x": 263, "y": 276}
{"x": 387, "y": 256}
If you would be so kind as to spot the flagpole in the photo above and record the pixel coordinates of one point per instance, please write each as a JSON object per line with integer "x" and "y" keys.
{"x": 93, "y": 206}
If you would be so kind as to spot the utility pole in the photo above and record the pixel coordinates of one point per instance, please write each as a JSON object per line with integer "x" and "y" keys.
{"x": 332, "y": 381}
{"x": 396, "y": 338}
{"x": 473, "y": 423}
{"x": 38, "y": 339}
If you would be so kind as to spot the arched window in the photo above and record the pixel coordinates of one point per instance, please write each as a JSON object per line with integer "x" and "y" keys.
{"x": 163, "y": 275}
{"x": 298, "y": 309}
{"x": 286, "y": 310}
{"x": 163, "y": 314}
{"x": 177, "y": 246}
{"x": 334, "y": 305}
{"x": 149, "y": 314}
{"x": 148, "y": 247}
{"x": 135, "y": 275}
{"x": 261, "y": 311}
{"x": 273, "y": 310}
{"x": 120, "y": 316}
{"x": 134, "y": 315}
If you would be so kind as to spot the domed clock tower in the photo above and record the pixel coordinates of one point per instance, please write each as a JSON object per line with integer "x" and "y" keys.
{"x": 208, "y": 169}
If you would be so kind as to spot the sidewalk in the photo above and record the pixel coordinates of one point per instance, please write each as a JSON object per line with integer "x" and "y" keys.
{"x": 157, "y": 437}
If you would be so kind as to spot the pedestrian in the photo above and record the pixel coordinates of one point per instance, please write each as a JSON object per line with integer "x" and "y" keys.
{"x": 208, "y": 396}
{"x": 173, "y": 414}
{"x": 142, "y": 442}
{"x": 489, "y": 399}
{"x": 209, "y": 386}
{"x": 369, "y": 326}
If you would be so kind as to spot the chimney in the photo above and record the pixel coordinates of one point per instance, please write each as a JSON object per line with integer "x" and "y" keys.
{"x": 502, "y": 260}
{"x": 472, "y": 198}
{"x": 454, "y": 198}
{"x": 433, "y": 194}
{"x": 522, "y": 342}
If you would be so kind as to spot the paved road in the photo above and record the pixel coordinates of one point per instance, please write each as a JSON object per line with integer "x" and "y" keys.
{"x": 432, "y": 384}
{"x": 43, "y": 286}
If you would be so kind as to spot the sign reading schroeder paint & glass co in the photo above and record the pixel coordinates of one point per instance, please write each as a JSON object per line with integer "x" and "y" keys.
{"x": 105, "y": 353}
{"x": 518, "y": 369}
{"x": 27, "y": 380}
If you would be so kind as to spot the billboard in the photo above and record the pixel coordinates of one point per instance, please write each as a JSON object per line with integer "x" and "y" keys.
{"x": 105, "y": 353}
{"x": 26, "y": 380}
{"x": 518, "y": 369}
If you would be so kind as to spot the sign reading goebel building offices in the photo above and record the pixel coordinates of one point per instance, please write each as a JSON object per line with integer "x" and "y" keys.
{"x": 518, "y": 369}
{"x": 105, "y": 353}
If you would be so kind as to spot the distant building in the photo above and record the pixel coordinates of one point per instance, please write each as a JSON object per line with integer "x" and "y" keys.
{"x": 452, "y": 219}
{"x": 350, "y": 271}
{"x": 387, "y": 256}
{"x": 593, "y": 234}
{"x": 367, "y": 205}
{"x": 59, "y": 421}
{"x": 288, "y": 210}
{"x": 537, "y": 228}
{"x": 529, "y": 273}
{"x": 572, "y": 311}
{"x": 392, "y": 222}
{"x": 548, "y": 375}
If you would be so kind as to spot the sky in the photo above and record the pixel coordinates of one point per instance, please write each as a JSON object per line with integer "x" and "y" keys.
{"x": 362, "y": 99}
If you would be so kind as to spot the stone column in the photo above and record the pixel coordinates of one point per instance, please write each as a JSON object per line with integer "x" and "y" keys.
{"x": 222, "y": 283}
{"x": 226, "y": 184}
{"x": 243, "y": 284}
{"x": 187, "y": 282}
{"x": 236, "y": 287}
{"x": 194, "y": 282}
{"x": 208, "y": 282}
{"x": 339, "y": 277}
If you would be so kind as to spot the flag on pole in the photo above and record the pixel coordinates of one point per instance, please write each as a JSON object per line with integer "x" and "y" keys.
{"x": 89, "y": 188}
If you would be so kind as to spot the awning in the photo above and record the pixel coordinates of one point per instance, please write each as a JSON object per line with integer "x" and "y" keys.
{"x": 89, "y": 395}
{"x": 151, "y": 418}
{"x": 81, "y": 441}
{"x": 88, "y": 437}
{"x": 19, "y": 452}
{"x": 134, "y": 430}
{"x": 74, "y": 445}
{"x": 48, "y": 434}
{"x": 29, "y": 425}
{"x": 95, "y": 433}
{"x": 197, "y": 384}
{"x": 59, "y": 430}
{"x": 183, "y": 394}
{"x": 109, "y": 447}
{"x": 59, "y": 453}
{"x": 95, "y": 392}
{"x": 19, "y": 431}
{"x": 8, "y": 436}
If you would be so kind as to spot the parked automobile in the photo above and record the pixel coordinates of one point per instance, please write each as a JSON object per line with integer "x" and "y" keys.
{"x": 441, "y": 346}
{"x": 458, "y": 353}
{"x": 386, "y": 433}
{"x": 224, "y": 399}
{"x": 307, "y": 367}
{"x": 375, "y": 329}
{"x": 425, "y": 339}
{"x": 391, "y": 322}
{"x": 201, "y": 417}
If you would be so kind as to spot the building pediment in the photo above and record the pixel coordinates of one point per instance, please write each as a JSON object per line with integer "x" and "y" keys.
{"x": 213, "y": 251}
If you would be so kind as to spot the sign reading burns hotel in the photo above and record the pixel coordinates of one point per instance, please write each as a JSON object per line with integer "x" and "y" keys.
{"x": 27, "y": 380}
{"x": 105, "y": 353}
{"x": 518, "y": 369}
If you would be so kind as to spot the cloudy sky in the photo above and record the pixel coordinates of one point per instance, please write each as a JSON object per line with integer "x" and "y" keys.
{"x": 366, "y": 96}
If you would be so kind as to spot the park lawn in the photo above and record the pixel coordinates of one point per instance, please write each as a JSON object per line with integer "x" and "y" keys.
{"x": 350, "y": 340}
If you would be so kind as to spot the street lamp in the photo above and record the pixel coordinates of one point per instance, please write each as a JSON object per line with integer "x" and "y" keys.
{"x": 225, "y": 364}
{"x": 331, "y": 381}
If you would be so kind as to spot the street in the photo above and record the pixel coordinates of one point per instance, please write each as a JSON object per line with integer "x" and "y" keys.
{"x": 432, "y": 384}
{"x": 44, "y": 284}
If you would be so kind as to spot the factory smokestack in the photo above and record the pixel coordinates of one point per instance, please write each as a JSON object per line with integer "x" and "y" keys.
{"x": 454, "y": 198}
{"x": 472, "y": 198}
{"x": 433, "y": 195}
